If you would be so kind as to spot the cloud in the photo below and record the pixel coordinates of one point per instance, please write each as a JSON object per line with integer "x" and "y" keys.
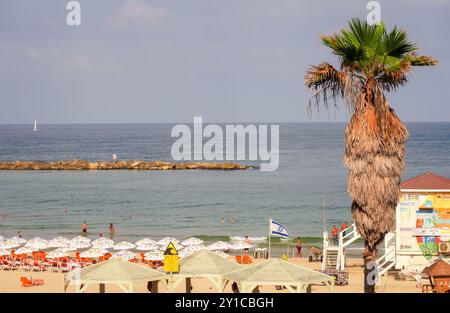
{"x": 137, "y": 12}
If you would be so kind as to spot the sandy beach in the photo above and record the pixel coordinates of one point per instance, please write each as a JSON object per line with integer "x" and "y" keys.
{"x": 54, "y": 282}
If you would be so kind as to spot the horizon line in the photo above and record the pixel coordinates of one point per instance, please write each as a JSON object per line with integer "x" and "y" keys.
{"x": 204, "y": 122}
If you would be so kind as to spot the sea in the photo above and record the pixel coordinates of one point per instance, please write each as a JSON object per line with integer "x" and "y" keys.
{"x": 306, "y": 194}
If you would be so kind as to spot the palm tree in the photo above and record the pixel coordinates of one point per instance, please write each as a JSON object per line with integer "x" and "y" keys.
{"x": 372, "y": 62}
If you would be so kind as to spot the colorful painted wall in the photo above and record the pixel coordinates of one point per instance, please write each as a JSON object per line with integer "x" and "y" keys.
{"x": 423, "y": 222}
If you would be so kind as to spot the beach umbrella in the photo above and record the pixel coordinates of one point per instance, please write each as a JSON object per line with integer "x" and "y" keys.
{"x": 57, "y": 253}
{"x": 222, "y": 254}
{"x": 81, "y": 239}
{"x": 7, "y": 244}
{"x": 79, "y": 242}
{"x": 124, "y": 245}
{"x": 37, "y": 244}
{"x": 241, "y": 246}
{"x": 220, "y": 245}
{"x": 103, "y": 243}
{"x": 59, "y": 242}
{"x": 93, "y": 253}
{"x": 4, "y": 252}
{"x": 166, "y": 240}
{"x": 190, "y": 249}
{"x": 144, "y": 241}
{"x": 124, "y": 255}
{"x": 154, "y": 255}
{"x": 192, "y": 241}
{"x": 147, "y": 247}
{"x": 23, "y": 250}
{"x": 19, "y": 240}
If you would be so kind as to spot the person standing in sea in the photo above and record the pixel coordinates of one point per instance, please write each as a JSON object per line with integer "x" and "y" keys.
{"x": 84, "y": 228}
{"x": 299, "y": 248}
{"x": 112, "y": 231}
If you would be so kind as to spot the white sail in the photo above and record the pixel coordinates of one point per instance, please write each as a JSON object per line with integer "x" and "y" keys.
{"x": 35, "y": 125}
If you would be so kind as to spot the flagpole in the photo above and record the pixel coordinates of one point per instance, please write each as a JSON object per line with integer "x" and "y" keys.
{"x": 270, "y": 233}
{"x": 288, "y": 247}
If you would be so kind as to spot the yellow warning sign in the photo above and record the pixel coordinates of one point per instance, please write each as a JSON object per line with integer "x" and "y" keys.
{"x": 171, "y": 260}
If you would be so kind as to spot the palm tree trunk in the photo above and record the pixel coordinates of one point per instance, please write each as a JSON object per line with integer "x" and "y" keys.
{"x": 374, "y": 154}
{"x": 370, "y": 274}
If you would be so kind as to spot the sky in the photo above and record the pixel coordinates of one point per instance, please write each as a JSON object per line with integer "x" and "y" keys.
{"x": 137, "y": 61}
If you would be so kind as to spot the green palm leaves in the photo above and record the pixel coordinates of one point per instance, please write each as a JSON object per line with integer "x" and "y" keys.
{"x": 366, "y": 53}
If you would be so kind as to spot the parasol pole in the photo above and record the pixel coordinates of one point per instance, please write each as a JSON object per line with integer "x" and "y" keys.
{"x": 270, "y": 233}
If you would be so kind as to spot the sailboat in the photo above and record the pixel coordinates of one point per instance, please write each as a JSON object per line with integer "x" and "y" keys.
{"x": 35, "y": 126}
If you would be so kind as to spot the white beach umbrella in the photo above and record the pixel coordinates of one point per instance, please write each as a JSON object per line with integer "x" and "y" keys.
{"x": 145, "y": 241}
{"x": 222, "y": 254}
{"x": 93, "y": 253}
{"x": 37, "y": 243}
{"x": 190, "y": 249}
{"x": 81, "y": 239}
{"x": 166, "y": 240}
{"x": 241, "y": 246}
{"x": 4, "y": 252}
{"x": 192, "y": 241}
{"x": 124, "y": 255}
{"x": 79, "y": 242}
{"x": 23, "y": 250}
{"x": 58, "y": 253}
{"x": 59, "y": 242}
{"x": 18, "y": 240}
{"x": 70, "y": 247}
{"x": 154, "y": 255}
{"x": 176, "y": 245}
{"x": 103, "y": 243}
{"x": 147, "y": 247}
{"x": 124, "y": 245}
{"x": 220, "y": 245}
{"x": 8, "y": 244}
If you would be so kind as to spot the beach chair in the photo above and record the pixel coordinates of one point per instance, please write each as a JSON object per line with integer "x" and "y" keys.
{"x": 239, "y": 259}
{"x": 63, "y": 268}
{"x": 26, "y": 282}
{"x": 6, "y": 266}
{"x": 37, "y": 282}
{"x": 247, "y": 259}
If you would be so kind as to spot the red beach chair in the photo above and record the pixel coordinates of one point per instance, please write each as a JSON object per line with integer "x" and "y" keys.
{"x": 25, "y": 282}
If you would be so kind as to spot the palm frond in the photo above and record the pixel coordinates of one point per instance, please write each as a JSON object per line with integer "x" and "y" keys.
{"x": 327, "y": 83}
{"x": 422, "y": 60}
{"x": 396, "y": 45}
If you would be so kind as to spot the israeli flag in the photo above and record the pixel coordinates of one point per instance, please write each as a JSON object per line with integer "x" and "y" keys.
{"x": 276, "y": 229}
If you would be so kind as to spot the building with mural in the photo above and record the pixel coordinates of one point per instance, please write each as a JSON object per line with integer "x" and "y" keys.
{"x": 423, "y": 221}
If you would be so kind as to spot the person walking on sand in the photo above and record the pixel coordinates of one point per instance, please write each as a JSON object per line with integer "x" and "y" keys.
{"x": 299, "y": 248}
{"x": 112, "y": 231}
{"x": 222, "y": 220}
{"x": 84, "y": 228}
{"x": 334, "y": 234}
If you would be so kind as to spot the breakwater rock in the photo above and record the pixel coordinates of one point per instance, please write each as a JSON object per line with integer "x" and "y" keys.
{"x": 118, "y": 165}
